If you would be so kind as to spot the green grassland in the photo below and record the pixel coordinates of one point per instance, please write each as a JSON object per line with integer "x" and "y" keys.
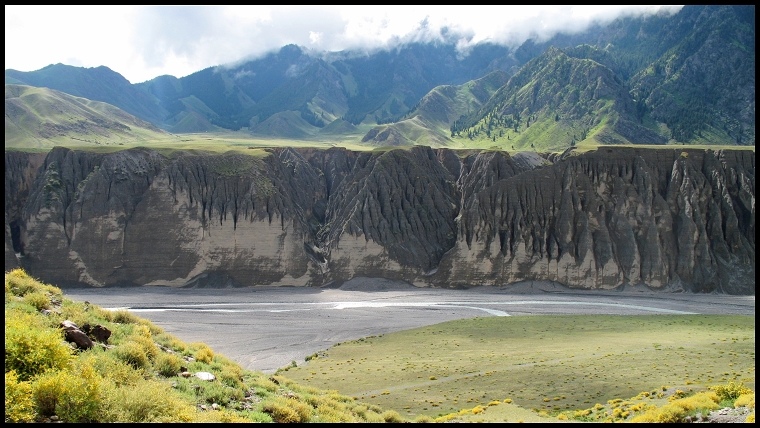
{"x": 548, "y": 364}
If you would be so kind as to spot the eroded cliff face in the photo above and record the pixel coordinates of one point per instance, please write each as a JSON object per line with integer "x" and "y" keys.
{"x": 668, "y": 219}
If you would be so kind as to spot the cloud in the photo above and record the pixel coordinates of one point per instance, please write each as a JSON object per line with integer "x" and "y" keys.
{"x": 143, "y": 42}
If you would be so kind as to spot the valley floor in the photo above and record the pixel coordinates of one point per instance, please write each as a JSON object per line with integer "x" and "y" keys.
{"x": 266, "y": 328}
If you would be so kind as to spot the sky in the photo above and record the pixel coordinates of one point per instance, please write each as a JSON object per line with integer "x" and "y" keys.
{"x": 144, "y": 42}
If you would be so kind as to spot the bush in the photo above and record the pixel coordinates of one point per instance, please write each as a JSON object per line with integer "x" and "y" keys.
{"x": 81, "y": 399}
{"x": 667, "y": 414}
{"x": 32, "y": 348}
{"x": 76, "y": 313}
{"x": 215, "y": 392}
{"x": 678, "y": 409}
{"x": 286, "y": 410}
{"x": 147, "y": 401}
{"x": 258, "y": 417}
{"x": 330, "y": 414}
{"x": 146, "y": 343}
{"x": 19, "y": 405}
{"x": 38, "y": 300}
{"x": 167, "y": 365}
{"x": 232, "y": 376}
{"x": 45, "y": 391}
{"x": 119, "y": 372}
{"x": 746, "y": 400}
{"x": 19, "y": 283}
{"x": 123, "y": 316}
{"x": 74, "y": 396}
{"x": 702, "y": 401}
{"x": 204, "y": 354}
{"x": 171, "y": 342}
{"x": 220, "y": 415}
{"x": 392, "y": 416}
{"x": 731, "y": 391}
{"x": 133, "y": 354}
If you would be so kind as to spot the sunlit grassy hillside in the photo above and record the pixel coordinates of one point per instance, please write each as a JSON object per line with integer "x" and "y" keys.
{"x": 140, "y": 373}
{"x": 42, "y": 118}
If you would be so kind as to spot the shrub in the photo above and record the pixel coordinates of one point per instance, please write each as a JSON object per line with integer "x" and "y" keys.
{"x": 81, "y": 399}
{"x": 392, "y": 416}
{"x": 123, "y": 316}
{"x": 119, "y": 372}
{"x": 286, "y": 410}
{"x": 146, "y": 343}
{"x": 170, "y": 342}
{"x": 232, "y": 376}
{"x": 204, "y": 354}
{"x": 331, "y": 414}
{"x": 147, "y": 401}
{"x": 76, "y": 312}
{"x": 74, "y": 396}
{"x": 215, "y": 392}
{"x": 45, "y": 391}
{"x": 31, "y": 348}
{"x": 697, "y": 401}
{"x": 38, "y": 300}
{"x": 19, "y": 283}
{"x": 167, "y": 365}
{"x": 669, "y": 413}
{"x": 258, "y": 417}
{"x": 19, "y": 405}
{"x": 220, "y": 415}
{"x": 731, "y": 391}
{"x": 133, "y": 354}
{"x": 31, "y": 285}
{"x": 746, "y": 400}
{"x": 678, "y": 409}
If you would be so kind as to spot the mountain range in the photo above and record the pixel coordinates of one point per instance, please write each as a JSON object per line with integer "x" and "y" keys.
{"x": 685, "y": 78}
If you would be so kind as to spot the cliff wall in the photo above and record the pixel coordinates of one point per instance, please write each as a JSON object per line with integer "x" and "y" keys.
{"x": 669, "y": 219}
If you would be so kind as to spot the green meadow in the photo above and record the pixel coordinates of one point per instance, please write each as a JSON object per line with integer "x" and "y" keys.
{"x": 544, "y": 364}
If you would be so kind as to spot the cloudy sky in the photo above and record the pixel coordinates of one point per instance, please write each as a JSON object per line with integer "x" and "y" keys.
{"x": 143, "y": 42}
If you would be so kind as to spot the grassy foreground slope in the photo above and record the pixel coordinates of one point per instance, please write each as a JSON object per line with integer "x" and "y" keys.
{"x": 142, "y": 374}
{"x": 137, "y": 375}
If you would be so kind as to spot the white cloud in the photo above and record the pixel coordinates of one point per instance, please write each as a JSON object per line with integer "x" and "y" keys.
{"x": 142, "y": 42}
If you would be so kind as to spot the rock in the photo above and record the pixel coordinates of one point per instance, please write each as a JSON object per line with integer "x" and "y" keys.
{"x": 205, "y": 376}
{"x": 98, "y": 332}
{"x": 667, "y": 220}
{"x": 74, "y": 335}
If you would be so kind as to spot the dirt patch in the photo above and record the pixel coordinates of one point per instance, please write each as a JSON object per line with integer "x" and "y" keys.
{"x": 375, "y": 284}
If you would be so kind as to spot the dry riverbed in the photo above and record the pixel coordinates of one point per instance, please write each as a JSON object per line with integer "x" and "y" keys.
{"x": 266, "y": 328}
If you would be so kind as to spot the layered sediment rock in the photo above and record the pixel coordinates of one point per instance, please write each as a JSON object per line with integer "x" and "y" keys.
{"x": 668, "y": 219}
